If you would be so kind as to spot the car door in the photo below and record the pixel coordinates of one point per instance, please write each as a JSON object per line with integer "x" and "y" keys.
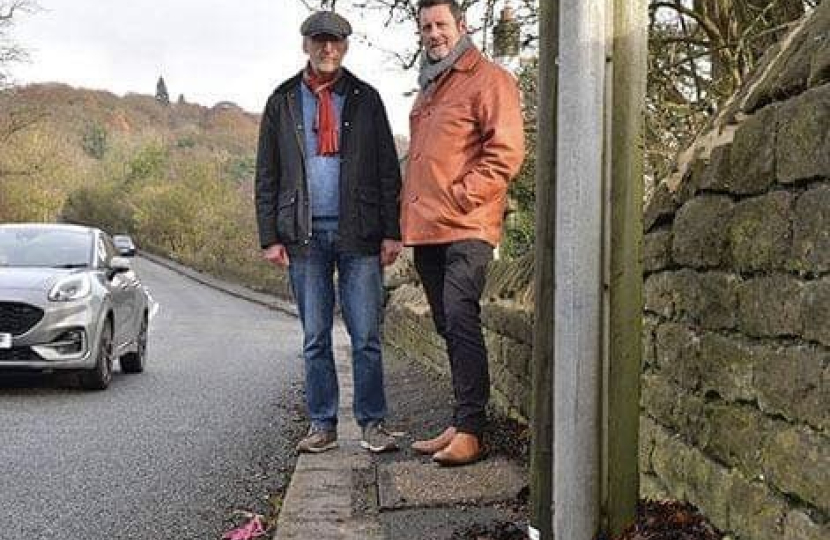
{"x": 120, "y": 286}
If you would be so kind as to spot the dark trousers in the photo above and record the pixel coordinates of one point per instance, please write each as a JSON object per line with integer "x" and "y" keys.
{"x": 453, "y": 276}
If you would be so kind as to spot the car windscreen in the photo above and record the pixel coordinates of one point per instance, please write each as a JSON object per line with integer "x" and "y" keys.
{"x": 44, "y": 247}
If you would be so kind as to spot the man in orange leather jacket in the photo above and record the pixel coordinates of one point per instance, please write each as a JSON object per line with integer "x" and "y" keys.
{"x": 467, "y": 143}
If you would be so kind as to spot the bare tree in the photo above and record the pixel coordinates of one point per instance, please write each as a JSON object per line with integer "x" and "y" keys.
{"x": 482, "y": 18}
{"x": 10, "y": 51}
{"x": 700, "y": 53}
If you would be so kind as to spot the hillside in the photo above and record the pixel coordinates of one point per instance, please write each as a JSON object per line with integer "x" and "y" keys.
{"x": 178, "y": 177}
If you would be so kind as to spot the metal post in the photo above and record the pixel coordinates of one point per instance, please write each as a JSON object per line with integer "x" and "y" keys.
{"x": 577, "y": 372}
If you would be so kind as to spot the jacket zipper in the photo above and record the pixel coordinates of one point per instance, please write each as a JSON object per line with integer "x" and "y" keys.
{"x": 297, "y": 128}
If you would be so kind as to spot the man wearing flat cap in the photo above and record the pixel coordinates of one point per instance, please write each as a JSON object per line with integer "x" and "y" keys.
{"x": 327, "y": 199}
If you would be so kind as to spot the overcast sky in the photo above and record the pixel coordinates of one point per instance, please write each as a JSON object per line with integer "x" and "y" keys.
{"x": 208, "y": 50}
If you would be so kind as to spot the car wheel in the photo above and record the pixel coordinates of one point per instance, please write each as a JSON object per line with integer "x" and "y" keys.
{"x": 99, "y": 377}
{"x": 133, "y": 362}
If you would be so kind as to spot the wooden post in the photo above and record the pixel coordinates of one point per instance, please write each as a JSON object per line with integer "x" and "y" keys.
{"x": 541, "y": 451}
{"x": 625, "y": 275}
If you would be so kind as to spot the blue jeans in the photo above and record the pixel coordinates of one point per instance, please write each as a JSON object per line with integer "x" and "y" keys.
{"x": 360, "y": 289}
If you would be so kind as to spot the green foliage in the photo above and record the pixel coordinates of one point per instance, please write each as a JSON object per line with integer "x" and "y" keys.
{"x": 187, "y": 141}
{"x": 94, "y": 141}
{"x": 519, "y": 232}
{"x": 242, "y": 169}
{"x": 102, "y": 205}
{"x": 519, "y": 235}
{"x": 149, "y": 162}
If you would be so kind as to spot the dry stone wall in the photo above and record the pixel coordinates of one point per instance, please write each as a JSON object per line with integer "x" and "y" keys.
{"x": 508, "y": 329}
{"x": 736, "y": 384}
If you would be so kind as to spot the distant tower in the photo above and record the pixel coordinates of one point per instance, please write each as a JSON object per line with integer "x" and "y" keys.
{"x": 506, "y": 38}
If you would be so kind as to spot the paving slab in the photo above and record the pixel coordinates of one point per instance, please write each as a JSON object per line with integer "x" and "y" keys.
{"x": 408, "y": 484}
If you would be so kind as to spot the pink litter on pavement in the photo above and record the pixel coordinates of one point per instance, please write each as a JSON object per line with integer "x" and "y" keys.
{"x": 252, "y": 529}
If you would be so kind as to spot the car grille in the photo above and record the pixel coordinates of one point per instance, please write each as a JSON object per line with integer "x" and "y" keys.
{"x": 17, "y": 318}
{"x": 19, "y": 354}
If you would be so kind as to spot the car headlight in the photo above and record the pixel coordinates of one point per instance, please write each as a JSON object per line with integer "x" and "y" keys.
{"x": 70, "y": 288}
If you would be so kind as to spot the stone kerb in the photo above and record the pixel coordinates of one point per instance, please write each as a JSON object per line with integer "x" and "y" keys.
{"x": 736, "y": 348}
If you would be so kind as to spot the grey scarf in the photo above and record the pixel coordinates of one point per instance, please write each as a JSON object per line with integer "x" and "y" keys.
{"x": 430, "y": 70}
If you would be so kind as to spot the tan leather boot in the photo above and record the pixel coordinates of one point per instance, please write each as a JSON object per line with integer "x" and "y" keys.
{"x": 433, "y": 445}
{"x": 465, "y": 448}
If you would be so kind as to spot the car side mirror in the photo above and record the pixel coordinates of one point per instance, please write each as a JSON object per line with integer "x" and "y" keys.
{"x": 119, "y": 265}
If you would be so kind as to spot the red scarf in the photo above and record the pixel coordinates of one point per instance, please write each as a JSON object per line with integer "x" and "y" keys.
{"x": 325, "y": 121}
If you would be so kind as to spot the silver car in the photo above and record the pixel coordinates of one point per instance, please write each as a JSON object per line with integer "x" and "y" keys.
{"x": 68, "y": 302}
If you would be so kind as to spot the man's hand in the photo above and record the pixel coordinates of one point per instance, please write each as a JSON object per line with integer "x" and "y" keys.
{"x": 276, "y": 254}
{"x": 389, "y": 250}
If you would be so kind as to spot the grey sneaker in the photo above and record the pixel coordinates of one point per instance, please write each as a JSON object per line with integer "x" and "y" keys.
{"x": 377, "y": 439}
{"x": 317, "y": 441}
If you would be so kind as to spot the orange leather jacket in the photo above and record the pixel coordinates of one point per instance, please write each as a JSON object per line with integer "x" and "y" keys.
{"x": 467, "y": 143}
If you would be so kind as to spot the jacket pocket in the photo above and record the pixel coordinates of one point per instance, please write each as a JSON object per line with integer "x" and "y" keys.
{"x": 369, "y": 215}
{"x": 287, "y": 218}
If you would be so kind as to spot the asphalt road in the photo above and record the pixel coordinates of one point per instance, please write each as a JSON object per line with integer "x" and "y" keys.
{"x": 171, "y": 453}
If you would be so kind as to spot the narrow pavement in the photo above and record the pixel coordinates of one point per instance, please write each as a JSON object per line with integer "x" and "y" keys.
{"x": 349, "y": 494}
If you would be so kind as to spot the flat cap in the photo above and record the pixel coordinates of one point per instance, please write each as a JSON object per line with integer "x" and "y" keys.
{"x": 326, "y": 22}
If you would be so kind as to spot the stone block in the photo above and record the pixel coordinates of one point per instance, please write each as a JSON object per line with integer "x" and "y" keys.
{"x": 688, "y": 474}
{"x": 659, "y": 208}
{"x": 700, "y": 238}
{"x": 738, "y": 435}
{"x": 816, "y": 311}
{"x": 675, "y": 408}
{"x": 671, "y": 459}
{"x": 509, "y": 319}
{"x": 726, "y": 367}
{"x": 717, "y": 174}
{"x": 646, "y": 437}
{"x": 660, "y": 294}
{"x": 759, "y": 232}
{"x": 652, "y": 488}
{"x": 794, "y": 382}
{"x": 657, "y": 250}
{"x": 752, "y": 157}
{"x": 678, "y": 352}
{"x": 797, "y": 461}
{"x": 515, "y": 389}
{"x": 657, "y": 398}
{"x": 811, "y": 230}
{"x": 770, "y": 306}
{"x": 755, "y": 512}
{"x": 803, "y": 145}
{"x": 517, "y": 357}
{"x": 799, "y": 526}
{"x": 708, "y": 299}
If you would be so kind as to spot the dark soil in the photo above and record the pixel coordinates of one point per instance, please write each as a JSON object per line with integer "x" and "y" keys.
{"x": 656, "y": 520}
{"x": 500, "y": 530}
{"x": 669, "y": 520}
